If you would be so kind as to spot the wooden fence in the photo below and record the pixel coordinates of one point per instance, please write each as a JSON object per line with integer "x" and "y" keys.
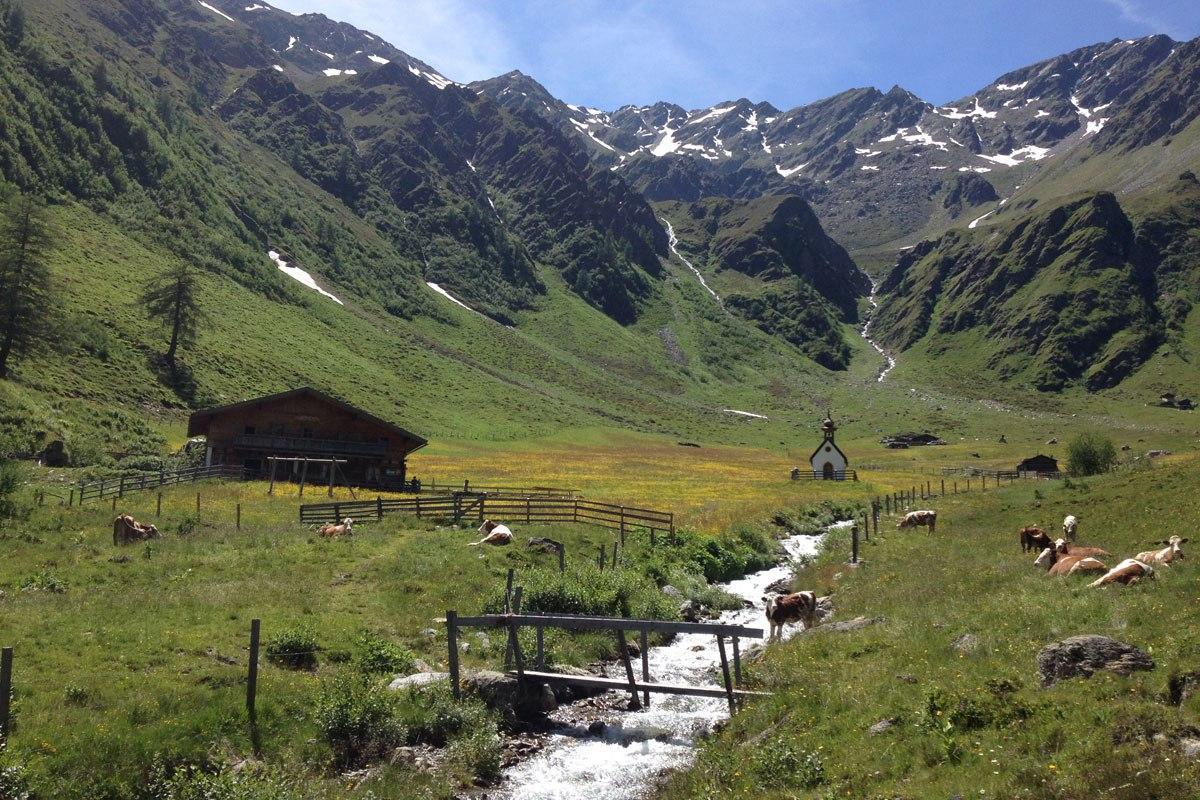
{"x": 478, "y": 505}
{"x": 813, "y": 475}
{"x": 140, "y": 482}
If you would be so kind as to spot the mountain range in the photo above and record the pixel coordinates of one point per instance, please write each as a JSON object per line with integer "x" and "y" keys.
{"x": 1037, "y": 230}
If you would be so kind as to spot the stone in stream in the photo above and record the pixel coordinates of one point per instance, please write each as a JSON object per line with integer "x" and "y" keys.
{"x": 508, "y": 696}
{"x": 1083, "y": 656}
{"x": 781, "y": 586}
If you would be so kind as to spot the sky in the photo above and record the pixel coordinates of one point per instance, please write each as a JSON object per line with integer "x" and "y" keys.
{"x": 608, "y": 53}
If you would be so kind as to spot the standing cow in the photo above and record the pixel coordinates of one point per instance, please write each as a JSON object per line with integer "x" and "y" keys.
{"x": 915, "y": 519}
{"x": 1070, "y": 527}
{"x": 784, "y": 608}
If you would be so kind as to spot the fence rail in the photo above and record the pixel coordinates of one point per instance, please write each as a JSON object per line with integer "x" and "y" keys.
{"x": 140, "y": 482}
{"x": 813, "y": 475}
{"x": 464, "y": 505}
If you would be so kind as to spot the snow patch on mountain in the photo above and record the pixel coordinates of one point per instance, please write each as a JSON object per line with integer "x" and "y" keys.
{"x": 333, "y": 73}
{"x": 216, "y": 10}
{"x": 711, "y": 114}
{"x": 1012, "y": 87}
{"x": 437, "y": 288}
{"x": 789, "y": 172}
{"x": 1029, "y": 152}
{"x": 379, "y": 59}
{"x": 666, "y": 145}
{"x": 951, "y": 112}
{"x": 432, "y": 78}
{"x": 299, "y": 275}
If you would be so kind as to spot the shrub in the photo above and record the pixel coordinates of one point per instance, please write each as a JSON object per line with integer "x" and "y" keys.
{"x": 1090, "y": 454}
{"x": 294, "y": 648}
{"x": 432, "y": 716}
{"x": 76, "y": 695}
{"x": 780, "y": 763}
{"x": 584, "y": 590}
{"x": 11, "y": 477}
{"x": 480, "y": 754}
{"x": 44, "y": 582}
{"x": 194, "y": 783}
{"x": 13, "y": 784}
{"x": 359, "y": 720}
{"x": 377, "y": 655}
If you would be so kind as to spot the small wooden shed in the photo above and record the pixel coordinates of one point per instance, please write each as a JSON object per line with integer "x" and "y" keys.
{"x": 307, "y": 423}
{"x": 1038, "y": 464}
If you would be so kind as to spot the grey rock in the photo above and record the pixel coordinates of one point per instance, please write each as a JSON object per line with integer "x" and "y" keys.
{"x": 781, "y": 586}
{"x": 430, "y": 633}
{"x": 1082, "y": 656}
{"x": 509, "y": 696}
{"x": 883, "y": 726}
{"x": 691, "y": 611}
{"x": 967, "y": 643}
{"x": 417, "y": 680}
{"x": 1181, "y": 687}
{"x": 596, "y": 727}
{"x": 420, "y": 665}
{"x": 1190, "y": 748}
{"x": 671, "y": 591}
{"x": 858, "y": 623}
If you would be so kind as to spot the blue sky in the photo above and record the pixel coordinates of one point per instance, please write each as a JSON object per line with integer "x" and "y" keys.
{"x": 606, "y": 53}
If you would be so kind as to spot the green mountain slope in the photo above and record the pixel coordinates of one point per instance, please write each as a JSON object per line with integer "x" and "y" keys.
{"x": 1076, "y": 294}
{"x": 771, "y": 262}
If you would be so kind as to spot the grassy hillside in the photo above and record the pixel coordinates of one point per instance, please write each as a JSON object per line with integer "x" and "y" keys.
{"x": 972, "y": 721}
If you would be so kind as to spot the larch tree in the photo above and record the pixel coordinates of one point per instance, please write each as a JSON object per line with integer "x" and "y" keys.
{"x": 173, "y": 299}
{"x": 27, "y": 297}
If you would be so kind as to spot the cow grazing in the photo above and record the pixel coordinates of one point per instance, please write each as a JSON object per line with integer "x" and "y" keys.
{"x": 914, "y": 519}
{"x": 784, "y": 608}
{"x": 126, "y": 529}
{"x": 1033, "y": 538}
{"x": 331, "y": 531}
{"x": 1128, "y": 572}
{"x": 494, "y": 533}
{"x": 1070, "y": 527}
{"x": 1164, "y": 556}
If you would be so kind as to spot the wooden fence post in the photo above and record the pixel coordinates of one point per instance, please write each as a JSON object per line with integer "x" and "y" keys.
{"x": 418, "y": 506}
{"x": 71, "y": 499}
{"x": 528, "y": 509}
{"x": 303, "y": 475}
{"x": 158, "y": 506}
{"x": 562, "y": 558}
{"x": 725, "y": 672}
{"x": 452, "y": 655}
{"x": 6, "y": 659}
{"x": 197, "y": 504}
{"x": 508, "y": 586}
{"x": 379, "y": 508}
{"x": 614, "y": 557}
{"x": 643, "y": 643}
{"x": 337, "y": 513}
{"x": 623, "y": 649}
{"x": 622, "y": 525}
{"x": 252, "y": 668}
{"x": 238, "y": 523}
{"x": 854, "y": 543}
{"x": 114, "y": 503}
{"x": 602, "y": 554}
{"x": 513, "y": 648}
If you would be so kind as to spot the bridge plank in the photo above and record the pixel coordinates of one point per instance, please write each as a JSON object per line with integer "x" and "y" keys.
{"x": 597, "y": 682}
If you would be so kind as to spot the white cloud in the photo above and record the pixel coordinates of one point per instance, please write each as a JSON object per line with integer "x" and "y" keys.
{"x": 1132, "y": 11}
{"x": 463, "y": 40}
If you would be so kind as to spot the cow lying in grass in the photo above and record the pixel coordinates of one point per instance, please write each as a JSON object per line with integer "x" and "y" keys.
{"x": 1033, "y": 538}
{"x": 914, "y": 519}
{"x": 1069, "y": 549}
{"x": 331, "y": 531}
{"x": 1128, "y": 572}
{"x": 1057, "y": 563}
{"x": 494, "y": 533}
{"x": 1164, "y": 556}
{"x": 126, "y": 529}
{"x": 784, "y": 608}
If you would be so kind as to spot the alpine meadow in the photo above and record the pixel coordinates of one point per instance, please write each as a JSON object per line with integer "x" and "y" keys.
{"x": 374, "y": 429}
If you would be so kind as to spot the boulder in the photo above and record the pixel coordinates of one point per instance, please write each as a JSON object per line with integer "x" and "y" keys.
{"x": 1181, "y": 687}
{"x": 1190, "y": 748}
{"x": 1082, "y": 656}
{"x": 858, "y": 623}
{"x": 781, "y": 586}
{"x": 417, "y": 680}
{"x": 671, "y": 591}
{"x": 967, "y": 643}
{"x": 507, "y": 695}
{"x": 883, "y": 726}
{"x": 55, "y": 454}
{"x": 691, "y": 611}
{"x": 544, "y": 545}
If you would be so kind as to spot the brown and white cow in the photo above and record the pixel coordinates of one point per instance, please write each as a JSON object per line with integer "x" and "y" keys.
{"x": 126, "y": 529}
{"x": 331, "y": 531}
{"x": 494, "y": 533}
{"x": 1128, "y": 572}
{"x": 1164, "y": 556}
{"x": 1057, "y": 563}
{"x": 1070, "y": 527}
{"x": 914, "y": 519}
{"x": 784, "y": 608}
{"x": 1033, "y": 538}
{"x": 1063, "y": 547}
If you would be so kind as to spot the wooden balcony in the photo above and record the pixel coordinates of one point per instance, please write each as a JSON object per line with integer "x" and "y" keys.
{"x": 304, "y": 446}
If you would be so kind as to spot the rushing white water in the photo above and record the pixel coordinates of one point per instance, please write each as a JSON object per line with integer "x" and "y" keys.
{"x": 865, "y": 332}
{"x": 673, "y": 240}
{"x": 624, "y": 761}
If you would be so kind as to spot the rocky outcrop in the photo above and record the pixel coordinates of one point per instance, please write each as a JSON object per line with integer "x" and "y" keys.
{"x": 1083, "y": 656}
{"x": 510, "y": 697}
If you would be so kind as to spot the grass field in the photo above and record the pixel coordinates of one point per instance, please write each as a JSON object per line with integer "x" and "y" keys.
{"x": 974, "y": 723}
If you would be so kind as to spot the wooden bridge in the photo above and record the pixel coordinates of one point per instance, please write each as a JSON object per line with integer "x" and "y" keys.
{"x": 512, "y": 623}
